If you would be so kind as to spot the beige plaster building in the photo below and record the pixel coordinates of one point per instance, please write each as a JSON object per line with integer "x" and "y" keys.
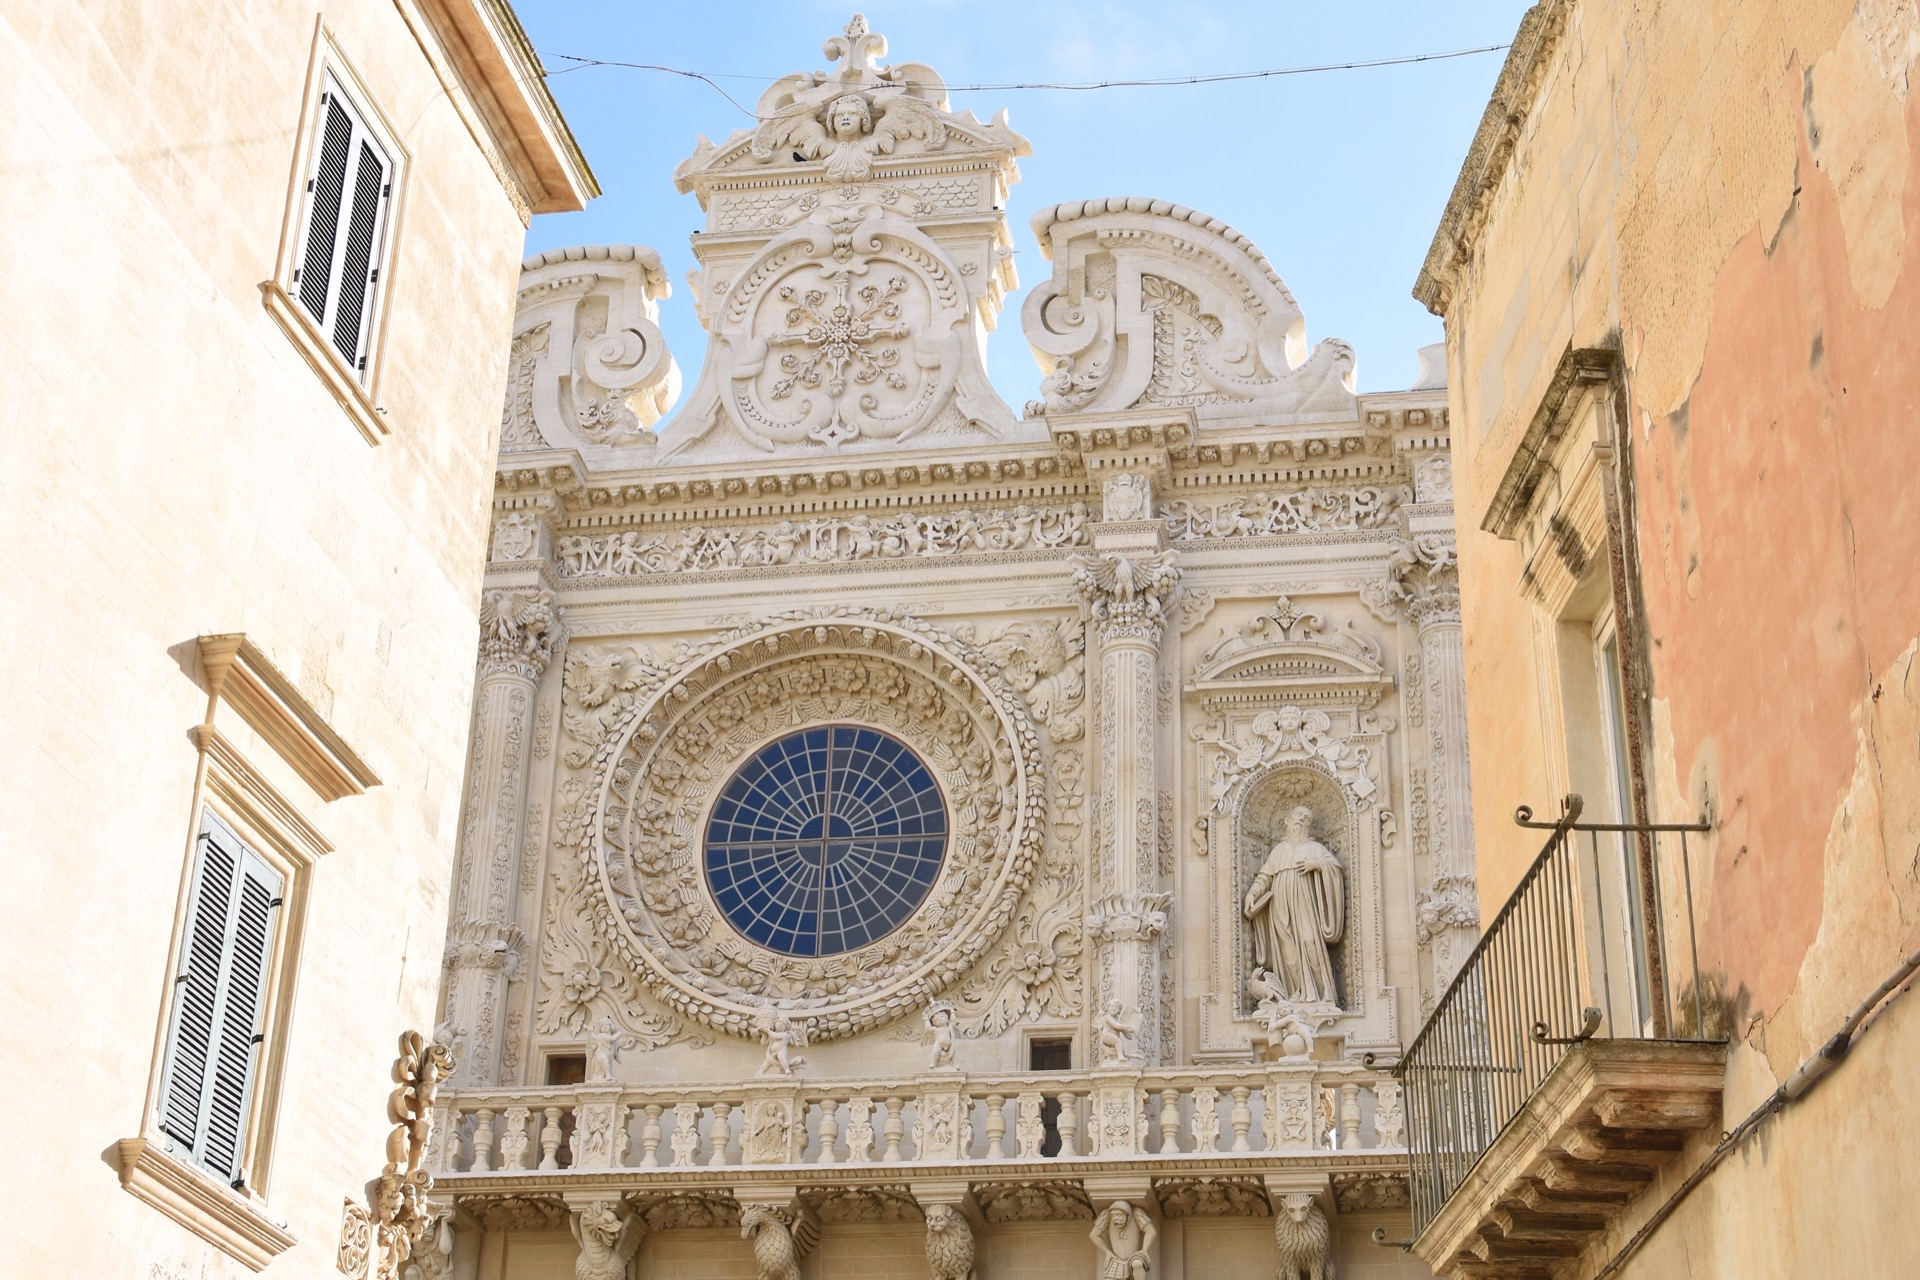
{"x": 907, "y": 835}
{"x": 260, "y": 274}
{"x": 1679, "y": 310}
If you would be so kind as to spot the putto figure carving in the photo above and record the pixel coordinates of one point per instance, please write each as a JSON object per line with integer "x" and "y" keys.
{"x": 781, "y": 1035}
{"x": 939, "y": 1018}
{"x": 1124, "y": 1235}
{"x": 1116, "y": 1035}
{"x": 860, "y": 112}
{"x": 1297, "y": 904}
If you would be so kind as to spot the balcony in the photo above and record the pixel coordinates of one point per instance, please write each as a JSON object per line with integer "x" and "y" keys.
{"x": 1567, "y": 1061}
{"x": 1059, "y": 1140}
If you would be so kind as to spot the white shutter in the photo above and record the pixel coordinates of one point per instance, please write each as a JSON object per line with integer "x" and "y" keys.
{"x": 219, "y": 997}
{"x": 349, "y": 193}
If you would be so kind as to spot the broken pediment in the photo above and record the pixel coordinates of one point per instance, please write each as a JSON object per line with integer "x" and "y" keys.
{"x": 588, "y": 368}
{"x": 1287, "y": 647}
{"x": 1155, "y": 304}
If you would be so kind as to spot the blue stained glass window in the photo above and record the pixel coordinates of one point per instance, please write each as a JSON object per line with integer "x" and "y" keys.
{"x": 826, "y": 840}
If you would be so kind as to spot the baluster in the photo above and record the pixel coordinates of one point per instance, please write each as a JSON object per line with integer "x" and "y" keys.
{"x": 513, "y": 1143}
{"x": 829, "y": 1130}
{"x": 1242, "y": 1118}
{"x": 483, "y": 1141}
{"x": 445, "y": 1143}
{"x": 1027, "y": 1126}
{"x": 1169, "y": 1121}
{"x": 721, "y": 1137}
{"x": 1329, "y": 1113}
{"x": 1389, "y": 1122}
{"x": 895, "y": 1129}
{"x": 1069, "y": 1125}
{"x": 1206, "y": 1118}
{"x": 686, "y": 1133}
{"x": 860, "y": 1130}
{"x": 996, "y": 1126}
{"x": 650, "y": 1137}
{"x": 1349, "y": 1116}
{"x": 550, "y": 1139}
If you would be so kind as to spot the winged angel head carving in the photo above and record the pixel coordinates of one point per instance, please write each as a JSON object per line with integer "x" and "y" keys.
{"x": 858, "y": 112}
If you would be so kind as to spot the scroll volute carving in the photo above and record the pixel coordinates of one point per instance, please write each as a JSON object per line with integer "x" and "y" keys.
{"x": 589, "y": 367}
{"x": 1152, "y": 303}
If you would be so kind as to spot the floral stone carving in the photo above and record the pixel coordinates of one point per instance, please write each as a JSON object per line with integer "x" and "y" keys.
{"x": 638, "y": 826}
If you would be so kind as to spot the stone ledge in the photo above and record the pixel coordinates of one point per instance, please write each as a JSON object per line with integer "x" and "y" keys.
{"x": 238, "y": 673}
{"x": 338, "y": 379}
{"x": 1590, "y": 1139}
{"x": 219, "y": 1215}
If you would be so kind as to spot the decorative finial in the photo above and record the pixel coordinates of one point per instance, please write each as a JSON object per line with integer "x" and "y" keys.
{"x": 856, "y": 51}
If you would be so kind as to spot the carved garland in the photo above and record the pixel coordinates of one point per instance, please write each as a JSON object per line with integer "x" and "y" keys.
{"x": 658, "y": 767}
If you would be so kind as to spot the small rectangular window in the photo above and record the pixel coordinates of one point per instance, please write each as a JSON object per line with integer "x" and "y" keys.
{"x": 567, "y": 1068}
{"x": 1050, "y": 1054}
{"x": 349, "y": 190}
{"x": 216, "y": 1024}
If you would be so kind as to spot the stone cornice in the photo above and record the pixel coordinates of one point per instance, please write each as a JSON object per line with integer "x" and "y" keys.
{"x": 1487, "y": 159}
{"x": 496, "y": 63}
{"x": 237, "y": 672}
{"x": 1533, "y": 455}
{"x": 1368, "y": 450}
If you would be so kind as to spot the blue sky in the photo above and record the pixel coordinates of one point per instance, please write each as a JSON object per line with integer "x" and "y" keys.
{"x": 1339, "y": 177}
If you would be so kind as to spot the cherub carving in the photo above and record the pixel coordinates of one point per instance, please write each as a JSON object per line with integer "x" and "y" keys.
{"x": 605, "y": 1040}
{"x": 782, "y": 1035}
{"x": 1116, "y": 1035}
{"x": 863, "y": 112}
{"x": 939, "y": 1018}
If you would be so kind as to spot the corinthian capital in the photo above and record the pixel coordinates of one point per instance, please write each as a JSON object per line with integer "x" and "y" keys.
{"x": 520, "y": 629}
{"x": 1127, "y": 593}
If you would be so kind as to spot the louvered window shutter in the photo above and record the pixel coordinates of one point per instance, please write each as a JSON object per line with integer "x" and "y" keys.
{"x": 348, "y": 196}
{"x": 214, "y": 1034}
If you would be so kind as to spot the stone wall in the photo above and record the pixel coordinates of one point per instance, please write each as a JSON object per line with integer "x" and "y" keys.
{"x": 175, "y": 469}
{"x": 1725, "y": 201}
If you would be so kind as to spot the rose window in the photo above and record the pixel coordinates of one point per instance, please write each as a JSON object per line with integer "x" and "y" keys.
{"x": 826, "y": 840}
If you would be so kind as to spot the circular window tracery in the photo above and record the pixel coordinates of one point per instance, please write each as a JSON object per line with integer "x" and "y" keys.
{"x": 825, "y": 840}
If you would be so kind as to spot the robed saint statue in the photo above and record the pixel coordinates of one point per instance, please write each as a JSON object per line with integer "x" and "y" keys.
{"x": 1297, "y": 904}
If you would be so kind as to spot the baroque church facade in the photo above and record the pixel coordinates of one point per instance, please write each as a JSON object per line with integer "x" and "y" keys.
{"x": 912, "y": 833}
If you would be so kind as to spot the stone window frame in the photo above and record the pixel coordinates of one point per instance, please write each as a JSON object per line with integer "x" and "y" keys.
{"x": 357, "y": 391}
{"x": 251, "y": 707}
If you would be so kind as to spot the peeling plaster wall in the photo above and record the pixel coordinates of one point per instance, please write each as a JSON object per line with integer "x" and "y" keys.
{"x": 1722, "y": 192}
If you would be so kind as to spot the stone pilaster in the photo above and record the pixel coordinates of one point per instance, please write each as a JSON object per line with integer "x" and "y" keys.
{"x": 1126, "y": 582}
{"x": 1426, "y": 573}
{"x": 520, "y": 630}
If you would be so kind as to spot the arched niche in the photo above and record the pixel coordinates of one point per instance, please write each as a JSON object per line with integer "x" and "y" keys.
{"x": 1258, "y": 823}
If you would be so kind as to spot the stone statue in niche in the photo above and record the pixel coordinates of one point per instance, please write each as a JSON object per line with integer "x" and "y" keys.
{"x": 1124, "y": 1236}
{"x": 1297, "y": 906}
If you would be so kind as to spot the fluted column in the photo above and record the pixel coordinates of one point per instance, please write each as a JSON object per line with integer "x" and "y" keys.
{"x": 520, "y": 630}
{"x": 1449, "y": 915}
{"x": 1126, "y": 582}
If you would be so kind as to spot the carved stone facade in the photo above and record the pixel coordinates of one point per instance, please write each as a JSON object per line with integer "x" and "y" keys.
{"x": 1122, "y": 638}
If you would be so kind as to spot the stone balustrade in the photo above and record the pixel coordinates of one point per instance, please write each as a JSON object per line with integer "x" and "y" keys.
{"x": 941, "y": 1118}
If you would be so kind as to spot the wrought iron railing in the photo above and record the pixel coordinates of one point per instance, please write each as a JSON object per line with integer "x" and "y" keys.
{"x": 1581, "y": 950}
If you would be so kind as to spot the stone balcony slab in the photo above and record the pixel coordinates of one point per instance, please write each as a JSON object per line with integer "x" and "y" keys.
{"x": 1601, "y": 1125}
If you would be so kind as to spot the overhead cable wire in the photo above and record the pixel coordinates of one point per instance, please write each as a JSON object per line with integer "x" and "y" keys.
{"x": 1149, "y": 82}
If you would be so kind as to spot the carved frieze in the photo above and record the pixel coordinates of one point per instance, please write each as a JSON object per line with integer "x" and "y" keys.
{"x": 1212, "y": 1197}
{"x": 633, "y": 554}
{"x": 1032, "y": 1201}
{"x": 1260, "y": 515}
